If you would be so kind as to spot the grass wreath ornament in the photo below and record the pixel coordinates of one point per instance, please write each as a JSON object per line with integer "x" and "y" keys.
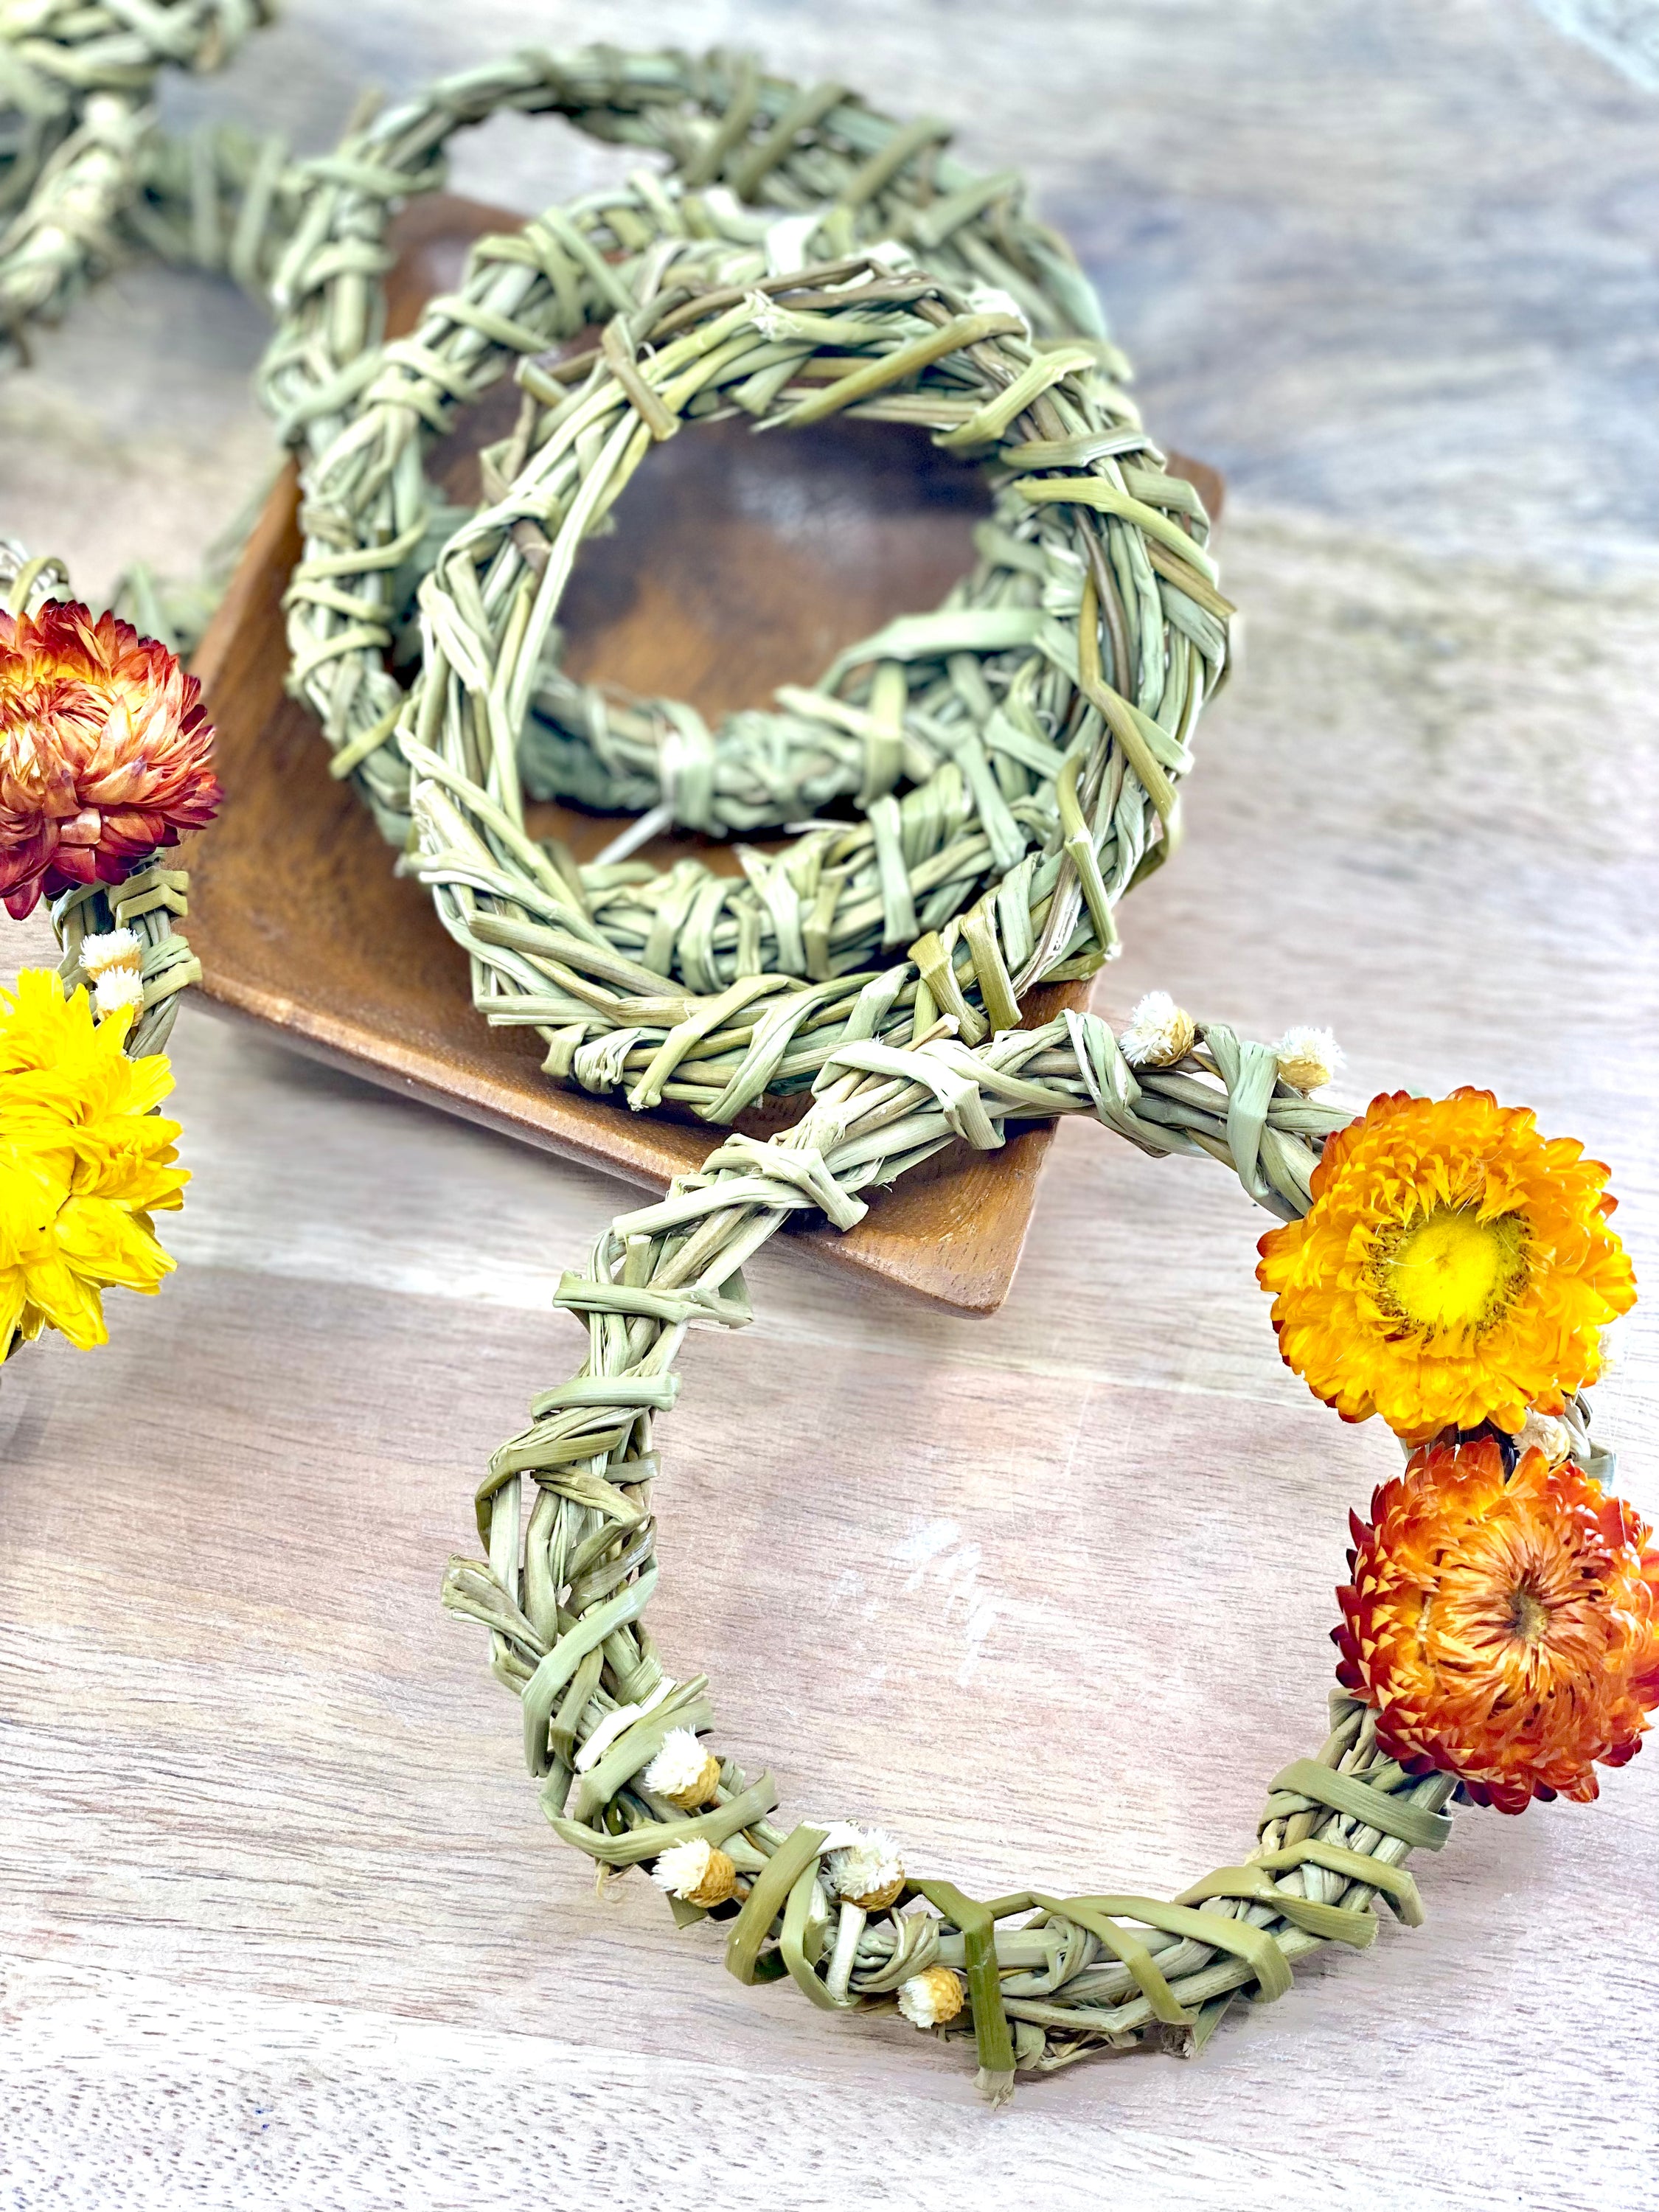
{"x": 1010, "y": 763}
{"x": 1036, "y": 778}
{"x": 963, "y": 799}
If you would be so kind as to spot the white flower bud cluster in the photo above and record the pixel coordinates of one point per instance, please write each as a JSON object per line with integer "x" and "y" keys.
{"x": 114, "y": 961}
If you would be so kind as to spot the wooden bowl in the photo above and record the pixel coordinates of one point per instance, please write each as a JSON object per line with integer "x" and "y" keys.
{"x": 723, "y": 579}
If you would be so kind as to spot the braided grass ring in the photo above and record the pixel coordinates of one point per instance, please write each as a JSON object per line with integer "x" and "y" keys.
{"x": 1041, "y": 717}
{"x": 748, "y": 152}
{"x": 610, "y": 1740}
{"x": 1037, "y": 786}
{"x": 1441, "y": 1263}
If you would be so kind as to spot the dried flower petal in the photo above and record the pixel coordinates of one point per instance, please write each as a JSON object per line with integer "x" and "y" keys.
{"x": 1505, "y": 1629}
{"x": 1454, "y": 1267}
{"x": 103, "y": 751}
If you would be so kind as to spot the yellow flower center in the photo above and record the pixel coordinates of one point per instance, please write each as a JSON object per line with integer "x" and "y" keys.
{"x": 1449, "y": 1269}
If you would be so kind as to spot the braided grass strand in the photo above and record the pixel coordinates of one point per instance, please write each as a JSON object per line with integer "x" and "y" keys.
{"x": 78, "y": 133}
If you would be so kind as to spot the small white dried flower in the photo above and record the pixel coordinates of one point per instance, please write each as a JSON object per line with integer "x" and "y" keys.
{"x": 862, "y": 1866}
{"x": 929, "y": 1999}
{"x": 117, "y": 987}
{"x": 682, "y": 1771}
{"x": 699, "y": 1872}
{"x": 113, "y": 948}
{"x": 1308, "y": 1059}
{"x": 1159, "y": 1033}
{"x": 1548, "y": 1433}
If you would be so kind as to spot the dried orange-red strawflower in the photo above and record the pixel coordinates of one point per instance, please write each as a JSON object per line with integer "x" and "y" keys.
{"x": 103, "y": 751}
{"x": 1505, "y": 1629}
{"x": 1455, "y": 1267}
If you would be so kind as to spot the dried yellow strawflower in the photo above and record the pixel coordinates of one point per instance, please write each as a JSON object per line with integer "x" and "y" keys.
{"x": 84, "y": 1163}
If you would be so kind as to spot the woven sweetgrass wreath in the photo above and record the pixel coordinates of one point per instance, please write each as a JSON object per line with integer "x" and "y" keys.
{"x": 1440, "y": 1264}
{"x": 1008, "y": 764}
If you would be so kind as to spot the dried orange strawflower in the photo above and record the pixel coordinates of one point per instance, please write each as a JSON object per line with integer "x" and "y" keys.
{"x": 103, "y": 751}
{"x": 1454, "y": 1267}
{"x": 1505, "y": 1629}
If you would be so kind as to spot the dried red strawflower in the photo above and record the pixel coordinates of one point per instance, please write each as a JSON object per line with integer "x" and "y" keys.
{"x": 1504, "y": 1628}
{"x": 103, "y": 751}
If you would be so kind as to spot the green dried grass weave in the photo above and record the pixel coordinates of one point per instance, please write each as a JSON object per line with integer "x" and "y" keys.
{"x": 1011, "y": 766}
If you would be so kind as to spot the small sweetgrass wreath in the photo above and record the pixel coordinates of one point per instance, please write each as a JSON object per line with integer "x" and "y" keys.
{"x": 1026, "y": 725}
{"x": 1010, "y": 763}
{"x": 1501, "y": 1634}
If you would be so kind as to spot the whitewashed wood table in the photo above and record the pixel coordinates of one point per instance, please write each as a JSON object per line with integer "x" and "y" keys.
{"x": 281, "y": 1924}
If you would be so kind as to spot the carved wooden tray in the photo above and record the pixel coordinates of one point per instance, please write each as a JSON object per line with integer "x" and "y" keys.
{"x": 724, "y": 579}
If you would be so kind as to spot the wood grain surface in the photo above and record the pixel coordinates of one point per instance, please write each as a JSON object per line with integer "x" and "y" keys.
{"x": 1049, "y": 1592}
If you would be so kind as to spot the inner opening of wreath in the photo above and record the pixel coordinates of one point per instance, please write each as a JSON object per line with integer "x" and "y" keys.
{"x": 733, "y": 563}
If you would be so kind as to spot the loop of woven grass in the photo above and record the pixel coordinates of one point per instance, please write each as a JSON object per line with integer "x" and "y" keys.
{"x": 756, "y": 166}
{"x": 1049, "y": 1979}
{"x": 1011, "y": 755}
{"x": 999, "y": 866}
